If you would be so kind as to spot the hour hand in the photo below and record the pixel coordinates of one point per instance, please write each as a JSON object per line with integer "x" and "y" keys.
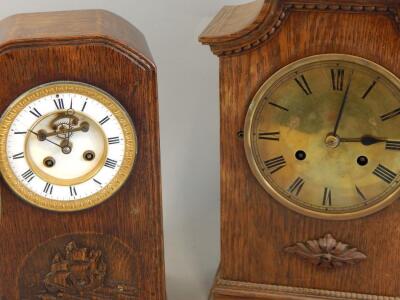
{"x": 45, "y": 139}
{"x": 43, "y": 134}
{"x": 366, "y": 140}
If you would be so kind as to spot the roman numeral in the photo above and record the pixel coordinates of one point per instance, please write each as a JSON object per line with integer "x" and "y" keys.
{"x": 48, "y": 188}
{"x": 59, "y": 103}
{"x": 84, "y": 106}
{"x": 28, "y": 175}
{"x": 337, "y": 79}
{"x": 72, "y": 191}
{"x": 296, "y": 186}
{"x": 20, "y": 132}
{"x": 98, "y": 182}
{"x": 110, "y": 163}
{"x": 275, "y": 164}
{"x": 385, "y": 174}
{"x": 113, "y": 140}
{"x": 278, "y": 106}
{"x": 104, "y": 120}
{"x": 390, "y": 115}
{"x": 303, "y": 84}
{"x": 327, "y": 200}
{"x": 19, "y": 155}
{"x": 392, "y": 145}
{"x": 360, "y": 193}
{"x": 272, "y": 136}
{"x": 35, "y": 112}
{"x": 369, "y": 90}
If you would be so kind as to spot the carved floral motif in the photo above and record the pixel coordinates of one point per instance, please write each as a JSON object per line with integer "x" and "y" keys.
{"x": 327, "y": 252}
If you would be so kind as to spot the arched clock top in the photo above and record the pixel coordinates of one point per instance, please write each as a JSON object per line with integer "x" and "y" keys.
{"x": 90, "y": 26}
{"x": 239, "y": 28}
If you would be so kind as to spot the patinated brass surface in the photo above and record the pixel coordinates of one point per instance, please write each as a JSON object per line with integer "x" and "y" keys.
{"x": 297, "y": 109}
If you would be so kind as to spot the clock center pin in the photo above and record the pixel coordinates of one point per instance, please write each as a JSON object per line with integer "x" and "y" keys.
{"x": 332, "y": 141}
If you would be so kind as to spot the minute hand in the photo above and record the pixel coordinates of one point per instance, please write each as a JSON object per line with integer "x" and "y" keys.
{"x": 346, "y": 96}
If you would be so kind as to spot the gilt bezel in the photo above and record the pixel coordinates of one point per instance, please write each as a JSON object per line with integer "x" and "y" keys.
{"x": 88, "y": 90}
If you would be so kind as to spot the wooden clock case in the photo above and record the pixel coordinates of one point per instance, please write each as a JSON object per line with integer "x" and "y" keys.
{"x": 253, "y": 41}
{"x": 101, "y": 49}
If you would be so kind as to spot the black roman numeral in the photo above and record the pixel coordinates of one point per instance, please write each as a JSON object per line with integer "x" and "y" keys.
{"x": 296, "y": 186}
{"x": 303, "y": 84}
{"x": 104, "y": 120}
{"x": 390, "y": 115}
{"x": 110, "y": 163}
{"x": 113, "y": 140}
{"x": 272, "y": 136}
{"x": 278, "y": 106}
{"x": 392, "y": 145}
{"x": 327, "y": 200}
{"x": 337, "y": 79}
{"x": 360, "y": 193}
{"x": 369, "y": 90}
{"x": 98, "y": 182}
{"x": 275, "y": 164}
{"x": 84, "y": 106}
{"x": 48, "y": 188}
{"x": 385, "y": 174}
{"x": 59, "y": 103}
{"x": 35, "y": 112}
{"x": 72, "y": 191}
{"x": 20, "y": 132}
{"x": 28, "y": 175}
{"x": 19, "y": 155}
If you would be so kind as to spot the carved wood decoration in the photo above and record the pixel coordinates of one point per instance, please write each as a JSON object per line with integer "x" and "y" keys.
{"x": 81, "y": 266}
{"x": 253, "y": 41}
{"x": 327, "y": 252}
{"x": 113, "y": 250}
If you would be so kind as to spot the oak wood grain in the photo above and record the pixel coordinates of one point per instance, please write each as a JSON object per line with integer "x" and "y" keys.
{"x": 255, "y": 228}
{"x": 240, "y": 28}
{"x": 98, "y": 48}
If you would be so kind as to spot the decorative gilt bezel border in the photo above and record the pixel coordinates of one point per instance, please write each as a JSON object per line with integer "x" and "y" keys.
{"x": 276, "y": 16}
{"x": 83, "y": 89}
{"x": 237, "y": 289}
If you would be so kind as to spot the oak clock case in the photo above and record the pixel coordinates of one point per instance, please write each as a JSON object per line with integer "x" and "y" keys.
{"x": 58, "y": 153}
{"x": 79, "y": 148}
{"x": 309, "y": 95}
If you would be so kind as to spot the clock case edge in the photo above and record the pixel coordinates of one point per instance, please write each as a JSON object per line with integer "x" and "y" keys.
{"x": 240, "y": 28}
{"x": 37, "y": 30}
{"x": 223, "y": 289}
{"x": 239, "y": 31}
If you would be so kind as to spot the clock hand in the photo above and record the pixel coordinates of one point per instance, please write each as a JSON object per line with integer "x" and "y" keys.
{"x": 43, "y": 134}
{"x": 346, "y": 96}
{"x": 66, "y": 145}
{"x": 46, "y": 139}
{"x": 366, "y": 140}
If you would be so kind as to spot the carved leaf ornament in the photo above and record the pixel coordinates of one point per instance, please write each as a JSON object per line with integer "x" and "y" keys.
{"x": 327, "y": 252}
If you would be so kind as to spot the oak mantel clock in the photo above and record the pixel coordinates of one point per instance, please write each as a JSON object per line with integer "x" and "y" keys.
{"x": 79, "y": 155}
{"x": 310, "y": 149}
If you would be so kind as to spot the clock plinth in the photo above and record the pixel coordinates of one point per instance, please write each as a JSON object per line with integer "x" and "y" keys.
{"x": 79, "y": 99}
{"x": 259, "y": 256}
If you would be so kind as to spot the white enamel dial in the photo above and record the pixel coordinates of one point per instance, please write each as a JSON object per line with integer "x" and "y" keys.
{"x": 67, "y": 145}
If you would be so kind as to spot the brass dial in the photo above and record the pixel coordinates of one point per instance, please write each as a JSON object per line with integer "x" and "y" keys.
{"x": 322, "y": 136}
